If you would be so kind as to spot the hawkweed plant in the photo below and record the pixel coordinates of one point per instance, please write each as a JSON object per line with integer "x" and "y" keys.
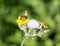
{"x": 30, "y": 27}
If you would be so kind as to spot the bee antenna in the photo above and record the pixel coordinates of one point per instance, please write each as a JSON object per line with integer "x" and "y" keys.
{"x": 25, "y": 12}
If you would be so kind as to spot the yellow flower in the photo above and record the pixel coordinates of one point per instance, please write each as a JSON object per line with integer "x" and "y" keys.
{"x": 22, "y": 20}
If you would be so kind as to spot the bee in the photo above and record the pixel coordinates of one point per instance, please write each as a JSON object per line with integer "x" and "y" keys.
{"x": 22, "y": 20}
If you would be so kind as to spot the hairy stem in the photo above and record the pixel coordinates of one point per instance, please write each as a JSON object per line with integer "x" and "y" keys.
{"x": 23, "y": 41}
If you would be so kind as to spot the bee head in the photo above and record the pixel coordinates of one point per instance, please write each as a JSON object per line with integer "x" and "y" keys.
{"x": 23, "y": 17}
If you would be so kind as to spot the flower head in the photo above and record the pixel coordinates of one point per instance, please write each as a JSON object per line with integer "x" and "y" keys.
{"x": 32, "y": 23}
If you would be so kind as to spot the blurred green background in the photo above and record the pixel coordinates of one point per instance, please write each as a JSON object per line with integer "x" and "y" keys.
{"x": 47, "y": 11}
